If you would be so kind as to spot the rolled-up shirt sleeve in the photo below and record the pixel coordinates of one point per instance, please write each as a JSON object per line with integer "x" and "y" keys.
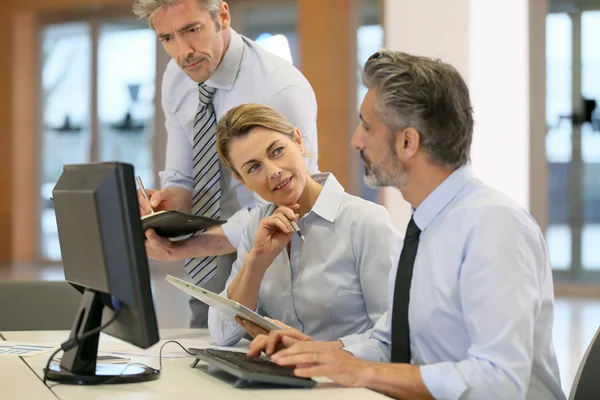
{"x": 222, "y": 326}
{"x": 377, "y": 347}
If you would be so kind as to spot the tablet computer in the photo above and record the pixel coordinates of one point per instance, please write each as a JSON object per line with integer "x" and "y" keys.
{"x": 222, "y": 304}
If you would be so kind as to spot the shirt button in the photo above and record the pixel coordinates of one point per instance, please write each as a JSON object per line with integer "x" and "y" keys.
{"x": 293, "y": 317}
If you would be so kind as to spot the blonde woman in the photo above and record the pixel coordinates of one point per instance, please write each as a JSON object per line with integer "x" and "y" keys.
{"x": 330, "y": 286}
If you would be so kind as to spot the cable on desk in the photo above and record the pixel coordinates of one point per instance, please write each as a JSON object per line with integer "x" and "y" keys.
{"x": 71, "y": 343}
{"x": 111, "y": 379}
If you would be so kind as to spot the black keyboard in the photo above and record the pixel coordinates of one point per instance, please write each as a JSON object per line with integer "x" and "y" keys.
{"x": 252, "y": 369}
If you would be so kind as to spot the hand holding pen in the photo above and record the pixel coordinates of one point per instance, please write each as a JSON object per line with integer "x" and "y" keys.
{"x": 275, "y": 232}
{"x": 144, "y": 193}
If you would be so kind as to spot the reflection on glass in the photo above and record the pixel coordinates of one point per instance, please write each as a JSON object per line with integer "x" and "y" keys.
{"x": 369, "y": 39}
{"x": 65, "y": 114}
{"x": 558, "y": 87}
{"x": 590, "y": 141}
{"x": 276, "y": 44}
{"x": 558, "y": 240}
{"x": 126, "y": 82}
{"x": 558, "y": 139}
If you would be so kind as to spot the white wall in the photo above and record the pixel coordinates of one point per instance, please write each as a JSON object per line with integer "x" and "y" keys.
{"x": 489, "y": 44}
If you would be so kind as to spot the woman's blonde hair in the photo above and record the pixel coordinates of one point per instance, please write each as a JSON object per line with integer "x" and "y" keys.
{"x": 240, "y": 120}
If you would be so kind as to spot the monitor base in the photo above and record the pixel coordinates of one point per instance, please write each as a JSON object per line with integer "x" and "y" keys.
{"x": 105, "y": 374}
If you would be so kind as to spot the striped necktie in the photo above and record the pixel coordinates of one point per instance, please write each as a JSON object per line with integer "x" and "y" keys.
{"x": 207, "y": 173}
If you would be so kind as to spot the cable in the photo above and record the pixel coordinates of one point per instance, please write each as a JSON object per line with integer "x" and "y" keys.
{"x": 164, "y": 344}
{"x": 116, "y": 377}
{"x": 72, "y": 343}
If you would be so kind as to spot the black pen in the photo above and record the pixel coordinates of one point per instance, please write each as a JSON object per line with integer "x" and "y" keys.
{"x": 295, "y": 225}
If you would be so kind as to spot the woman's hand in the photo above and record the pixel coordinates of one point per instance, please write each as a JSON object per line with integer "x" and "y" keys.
{"x": 255, "y": 330}
{"x": 274, "y": 233}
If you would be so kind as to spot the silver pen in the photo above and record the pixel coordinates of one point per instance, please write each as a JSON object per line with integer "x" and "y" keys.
{"x": 144, "y": 192}
{"x": 295, "y": 225}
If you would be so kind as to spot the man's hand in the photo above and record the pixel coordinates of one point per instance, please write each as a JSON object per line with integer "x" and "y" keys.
{"x": 275, "y": 341}
{"x": 312, "y": 359}
{"x": 161, "y": 248}
{"x": 210, "y": 243}
{"x": 282, "y": 339}
{"x": 398, "y": 380}
{"x": 172, "y": 198}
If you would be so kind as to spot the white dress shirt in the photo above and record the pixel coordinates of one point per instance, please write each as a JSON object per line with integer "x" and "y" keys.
{"x": 247, "y": 74}
{"x": 481, "y": 298}
{"x": 333, "y": 285}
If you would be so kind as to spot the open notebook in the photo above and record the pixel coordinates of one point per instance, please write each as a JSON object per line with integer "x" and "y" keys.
{"x": 176, "y": 225}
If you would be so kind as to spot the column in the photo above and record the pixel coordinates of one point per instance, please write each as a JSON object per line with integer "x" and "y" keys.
{"x": 327, "y": 36}
{"x": 6, "y": 154}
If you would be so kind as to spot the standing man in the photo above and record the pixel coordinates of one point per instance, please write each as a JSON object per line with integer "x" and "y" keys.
{"x": 212, "y": 70}
{"x": 471, "y": 300}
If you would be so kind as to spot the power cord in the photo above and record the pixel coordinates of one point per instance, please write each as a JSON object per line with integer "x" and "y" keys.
{"x": 71, "y": 343}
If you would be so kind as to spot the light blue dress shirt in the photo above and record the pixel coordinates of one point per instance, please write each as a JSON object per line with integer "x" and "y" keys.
{"x": 247, "y": 74}
{"x": 481, "y": 298}
{"x": 333, "y": 285}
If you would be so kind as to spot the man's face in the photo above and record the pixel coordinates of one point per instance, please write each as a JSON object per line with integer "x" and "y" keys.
{"x": 377, "y": 148}
{"x": 191, "y": 37}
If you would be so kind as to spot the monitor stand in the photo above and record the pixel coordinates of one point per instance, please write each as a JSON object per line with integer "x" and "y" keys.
{"x": 78, "y": 365}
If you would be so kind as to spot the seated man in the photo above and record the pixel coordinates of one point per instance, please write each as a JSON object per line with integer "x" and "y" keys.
{"x": 471, "y": 299}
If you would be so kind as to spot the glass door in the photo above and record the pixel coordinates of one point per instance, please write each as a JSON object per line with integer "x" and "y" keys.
{"x": 99, "y": 80}
{"x": 573, "y": 144}
{"x": 66, "y": 125}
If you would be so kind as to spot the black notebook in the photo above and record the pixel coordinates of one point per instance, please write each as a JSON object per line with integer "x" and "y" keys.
{"x": 176, "y": 225}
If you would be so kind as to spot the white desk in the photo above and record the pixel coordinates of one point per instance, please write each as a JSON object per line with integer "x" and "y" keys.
{"x": 17, "y": 381}
{"x": 177, "y": 378}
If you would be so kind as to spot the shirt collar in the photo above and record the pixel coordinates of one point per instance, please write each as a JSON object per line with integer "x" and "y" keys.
{"x": 225, "y": 74}
{"x": 441, "y": 196}
{"x": 328, "y": 203}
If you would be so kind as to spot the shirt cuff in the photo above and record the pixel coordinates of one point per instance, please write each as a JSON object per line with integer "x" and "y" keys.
{"x": 172, "y": 178}
{"x": 356, "y": 338}
{"x": 369, "y": 350}
{"x": 234, "y": 227}
{"x": 443, "y": 380}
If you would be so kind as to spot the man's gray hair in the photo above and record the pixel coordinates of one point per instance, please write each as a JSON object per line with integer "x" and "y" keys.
{"x": 146, "y": 8}
{"x": 428, "y": 95}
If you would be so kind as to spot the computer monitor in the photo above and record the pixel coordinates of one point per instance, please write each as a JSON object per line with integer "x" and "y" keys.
{"x": 104, "y": 257}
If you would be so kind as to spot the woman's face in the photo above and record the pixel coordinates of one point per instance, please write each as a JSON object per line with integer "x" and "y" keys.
{"x": 270, "y": 164}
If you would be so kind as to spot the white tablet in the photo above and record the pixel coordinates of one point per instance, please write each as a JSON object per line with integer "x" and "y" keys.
{"x": 222, "y": 304}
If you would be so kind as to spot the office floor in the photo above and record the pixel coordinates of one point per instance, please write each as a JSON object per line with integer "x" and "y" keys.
{"x": 576, "y": 319}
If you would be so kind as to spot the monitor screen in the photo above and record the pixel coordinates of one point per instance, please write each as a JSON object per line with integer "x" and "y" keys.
{"x": 103, "y": 253}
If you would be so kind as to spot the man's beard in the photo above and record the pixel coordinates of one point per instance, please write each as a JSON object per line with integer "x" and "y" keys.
{"x": 395, "y": 175}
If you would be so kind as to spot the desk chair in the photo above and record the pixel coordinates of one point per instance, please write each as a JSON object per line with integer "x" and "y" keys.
{"x": 587, "y": 384}
{"x": 37, "y": 305}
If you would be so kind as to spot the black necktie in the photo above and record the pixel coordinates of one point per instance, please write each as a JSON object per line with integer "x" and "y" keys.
{"x": 400, "y": 330}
